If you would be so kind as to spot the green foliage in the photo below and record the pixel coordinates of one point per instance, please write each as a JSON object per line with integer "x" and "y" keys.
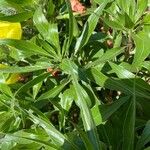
{"x": 83, "y": 78}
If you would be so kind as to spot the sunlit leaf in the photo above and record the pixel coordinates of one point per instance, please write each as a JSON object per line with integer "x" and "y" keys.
{"x": 58, "y": 138}
{"x": 25, "y": 46}
{"x": 24, "y": 69}
{"x": 53, "y": 92}
{"x": 33, "y": 82}
{"x": 17, "y": 17}
{"x": 141, "y": 7}
{"x": 48, "y": 30}
{"x": 89, "y": 27}
{"x": 89, "y": 124}
{"x": 142, "y": 47}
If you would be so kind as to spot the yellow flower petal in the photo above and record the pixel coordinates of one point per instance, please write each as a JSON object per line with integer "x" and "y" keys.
{"x": 13, "y": 78}
{"x": 9, "y": 30}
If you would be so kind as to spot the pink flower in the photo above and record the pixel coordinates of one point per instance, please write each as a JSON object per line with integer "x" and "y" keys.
{"x": 77, "y": 6}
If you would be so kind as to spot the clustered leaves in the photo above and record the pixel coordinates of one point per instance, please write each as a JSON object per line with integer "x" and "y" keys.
{"x": 78, "y": 78}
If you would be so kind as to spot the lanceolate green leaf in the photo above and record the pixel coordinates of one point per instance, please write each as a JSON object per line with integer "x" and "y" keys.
{"x": 108, "y": 55}
{"x": 125, "y": 6}
{"x": 7, "y": 4}
{"x": 58, "y": 138}
{"x": 124, "y": 85}
{"x": 53, "y": 92}
{"x": 115, "y": 24}
{"x": 128, "y": 22}
{"x": 67, "y": 98}
{"x": 88, "y": 121}
{"x": 27, "y": 137}
{"x": 120, "y": 71}
{"x": 89, "y": 27}
{"x": 141, "y": 7}
{"x": 108, "y": 110}
{"x": 17, "y": 17}
{"x": 96, "y": 113}
{"x": 129, "y": 123}
{"x": 33, "y": 82}
{"x": 146, "y": 65}
{"x": 21, "y": 3}
{"x": 85, "y": 139}
{"x": 145, "y": 137}
{"x": 48, "y": 30}
{"x": 101, "y": 1}
{"x": 142, "y": 47}
{"x": 71, "y": 24}
{"x": 24, "y": 69}
{"x": 47, "y": 47}
{"x": 5, "y": 89}
{"x": 25, "y": 46}
{"x": 96, "y": 76}
{"x": 41, "y": 22}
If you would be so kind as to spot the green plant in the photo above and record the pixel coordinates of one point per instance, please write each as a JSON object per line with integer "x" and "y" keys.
{"x": 76, "y": 90}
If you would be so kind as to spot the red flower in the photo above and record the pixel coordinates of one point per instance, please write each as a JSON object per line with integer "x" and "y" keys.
{"x": 54, "y": 72}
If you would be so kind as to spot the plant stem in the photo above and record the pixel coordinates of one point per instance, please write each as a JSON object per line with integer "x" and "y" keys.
{"x": 129, "y": 46}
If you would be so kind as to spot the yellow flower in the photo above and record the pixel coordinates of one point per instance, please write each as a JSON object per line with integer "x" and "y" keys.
{"x": 9, "y": 30}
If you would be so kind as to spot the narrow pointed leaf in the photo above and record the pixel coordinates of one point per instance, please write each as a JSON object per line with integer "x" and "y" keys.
{"x": 108, "y": 110}
{"x": 129, "y": 122}
{"x": 58, "y": 138}
{"x": 89, "y": 27}
{"x": 120, "y": 71}
{"x": 142, "y": 47}
{"x": 71, "y": 24}
{"x": 25, "y": 46}
{"x": 145, "y": 137}
{"x": 141, "y": 7}
{"x": 33, "y": 82}
{"x": 48, "y": 30}
{"x": 17, "y": 17}
{"x": 24, "y": 69}
{"x": 53, "y": 92}
{"x": 88, "y": 121}
{"x": 108, "y": 55}
{"x": 124, "y": 85}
